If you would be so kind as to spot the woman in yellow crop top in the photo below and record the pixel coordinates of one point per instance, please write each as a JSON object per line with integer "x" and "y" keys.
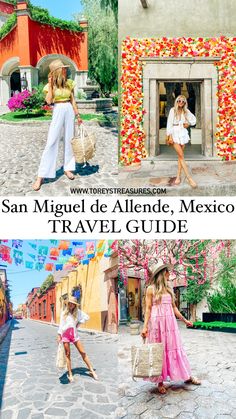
{"x": 59, "y": 91}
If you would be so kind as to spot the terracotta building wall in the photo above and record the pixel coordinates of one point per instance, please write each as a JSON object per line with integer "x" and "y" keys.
{"x": 40, "y": 306}
{"x": 9, "y": 46}
{"x": 6, "y": 7}
{"x": 45, "y": 40}
{"x": 31, "y": 41}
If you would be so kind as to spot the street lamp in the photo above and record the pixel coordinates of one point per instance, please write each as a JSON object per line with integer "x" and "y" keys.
{"x": 24, "y": 82}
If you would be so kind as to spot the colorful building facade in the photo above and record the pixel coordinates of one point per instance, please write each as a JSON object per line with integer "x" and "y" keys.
{"x": 29, "y": 46}
{"x": 97, "y": 285}
{"x": 99, "y": 295}
{"x": 5, "y": 304}
{"x": 195, "y": 57}
{"x": 42, "y": 306}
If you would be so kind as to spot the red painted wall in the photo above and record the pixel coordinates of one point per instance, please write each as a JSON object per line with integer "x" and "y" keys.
{"x": 6, "y": 7}
{"x": 30, "y": 41}
{"x": 45, "y": 40}
{"x": 34, "y": 306}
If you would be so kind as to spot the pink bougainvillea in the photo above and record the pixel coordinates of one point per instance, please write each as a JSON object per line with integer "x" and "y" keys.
{"x": 132, "y": 132}
{"x": 16, "y": 102}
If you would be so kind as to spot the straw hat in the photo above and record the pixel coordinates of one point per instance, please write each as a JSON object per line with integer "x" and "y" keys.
{"x": 55, "y": 64}
{"x": 158, "y": 267}
{"x": 72, "y": 300}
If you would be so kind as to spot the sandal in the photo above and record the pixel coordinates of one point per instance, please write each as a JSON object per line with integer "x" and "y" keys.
{"x": 70, "y": 175}
{"x": 37, "y": 185}
{"x": 191, "y": 182}
{"x": 193, "y": 380}
{"x": 177, "y": 182}
{"x": 161, "y": 389}
{"x": 93, "y": 375}
{"x": 70, "y": 378}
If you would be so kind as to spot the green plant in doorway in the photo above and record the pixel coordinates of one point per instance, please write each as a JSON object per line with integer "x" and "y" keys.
{"x": 223, "y": 299}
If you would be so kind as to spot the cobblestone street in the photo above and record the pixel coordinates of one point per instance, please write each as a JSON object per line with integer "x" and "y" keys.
{"x": 212, "y": 359}
{"x": 35, "y": 389}
{"x": 21, "y": 150}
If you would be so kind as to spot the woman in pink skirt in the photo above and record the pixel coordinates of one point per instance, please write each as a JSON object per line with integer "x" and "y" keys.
{"x": 160, "y": 325}
{"x": 68, "y": 333}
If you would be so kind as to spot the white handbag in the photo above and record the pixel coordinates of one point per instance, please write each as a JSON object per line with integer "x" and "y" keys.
{"x": 61, "y": 357}
{"x": 83, "y": 145}
{"x": 147, "y": 360}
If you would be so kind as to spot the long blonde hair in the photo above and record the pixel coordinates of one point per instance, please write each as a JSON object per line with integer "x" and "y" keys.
{"x": 160, "y": 285}
{"x": 176, "y": 106}
{"x": 59, "y": 80}
{"x": 74, "y": 312}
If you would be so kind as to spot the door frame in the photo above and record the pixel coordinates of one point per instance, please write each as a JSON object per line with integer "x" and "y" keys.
{"x": 160, "y": 69}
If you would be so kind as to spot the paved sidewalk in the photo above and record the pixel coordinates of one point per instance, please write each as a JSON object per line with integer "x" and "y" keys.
{"x": 214, "y": 177}
{"x": 4, "y": 330}
{"x": 212, "y": 359}
{"x": 21, "y": 150}
{"x": 34, "y": 388}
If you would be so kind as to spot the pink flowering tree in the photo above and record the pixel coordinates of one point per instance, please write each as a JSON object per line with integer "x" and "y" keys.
{"x": 193, "y": 262}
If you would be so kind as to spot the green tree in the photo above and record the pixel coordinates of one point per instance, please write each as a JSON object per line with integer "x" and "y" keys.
{"x": 223, "y": 299}
{"x": 103, "y": 45}
{"x": 111, "y": 4}
{"x": 46, "y": 283}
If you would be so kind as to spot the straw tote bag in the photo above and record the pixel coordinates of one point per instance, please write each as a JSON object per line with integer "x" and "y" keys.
{"x": 61, "y": 357}
{"x": 147, "y": 360}
{"x": 83, "y": 145}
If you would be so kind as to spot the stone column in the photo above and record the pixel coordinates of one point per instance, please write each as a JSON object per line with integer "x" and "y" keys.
{"x": 207, "y": 131}
{"x": 154, "y": 119}
{"x": 5, "y": 89}
{"x": 32, "y": 75}
{"x": 80, "y": 80}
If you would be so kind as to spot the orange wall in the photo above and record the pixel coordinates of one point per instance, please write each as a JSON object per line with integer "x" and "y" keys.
{"x": 44, "y": 40}
{"x": 9, "y": 47}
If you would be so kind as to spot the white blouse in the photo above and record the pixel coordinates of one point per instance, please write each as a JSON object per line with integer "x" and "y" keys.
{"x": 173, "y": 121}
{"x": 69, "y": 321}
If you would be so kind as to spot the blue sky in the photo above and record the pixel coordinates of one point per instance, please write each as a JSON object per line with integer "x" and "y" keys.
{"x": 59, "y": 8}
{"x": 22, "y": 280}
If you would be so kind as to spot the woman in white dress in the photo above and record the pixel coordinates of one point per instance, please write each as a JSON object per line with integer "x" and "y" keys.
{"x": 179, "y": 120}
{"x": 68, "y": 333}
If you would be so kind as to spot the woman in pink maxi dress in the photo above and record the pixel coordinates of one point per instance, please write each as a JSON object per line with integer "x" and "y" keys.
{"x": 160, "y": 325}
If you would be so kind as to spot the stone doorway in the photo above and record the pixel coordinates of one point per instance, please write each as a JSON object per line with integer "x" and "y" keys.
{"x": 199, "y": 74}
{"x": 15, "y": 83}
{"x": 168, "y": 91}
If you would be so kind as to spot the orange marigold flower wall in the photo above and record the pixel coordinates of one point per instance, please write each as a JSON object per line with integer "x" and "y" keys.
{"x": 132, "y": 133}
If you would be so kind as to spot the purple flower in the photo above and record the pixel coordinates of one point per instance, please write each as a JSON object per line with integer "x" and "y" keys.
{"x": 17, "y": 101}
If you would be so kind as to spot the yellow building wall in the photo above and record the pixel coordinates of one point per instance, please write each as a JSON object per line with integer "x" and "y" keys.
{"x": 94, "y": 290}
{"x": 2, "y": 307}
{"x": 88, "y": 276}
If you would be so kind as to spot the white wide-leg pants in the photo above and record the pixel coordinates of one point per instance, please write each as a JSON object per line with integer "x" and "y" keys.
{"x": 62, "y": 119}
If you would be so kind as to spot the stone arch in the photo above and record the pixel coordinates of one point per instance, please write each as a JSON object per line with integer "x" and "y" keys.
{"x": 43, "y": 65}
{"x": 10, "y": 66}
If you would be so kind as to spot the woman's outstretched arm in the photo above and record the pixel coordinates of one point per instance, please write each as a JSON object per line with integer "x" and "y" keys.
{"x": 148, "y": 303}
{"x": 180, "y": 316}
